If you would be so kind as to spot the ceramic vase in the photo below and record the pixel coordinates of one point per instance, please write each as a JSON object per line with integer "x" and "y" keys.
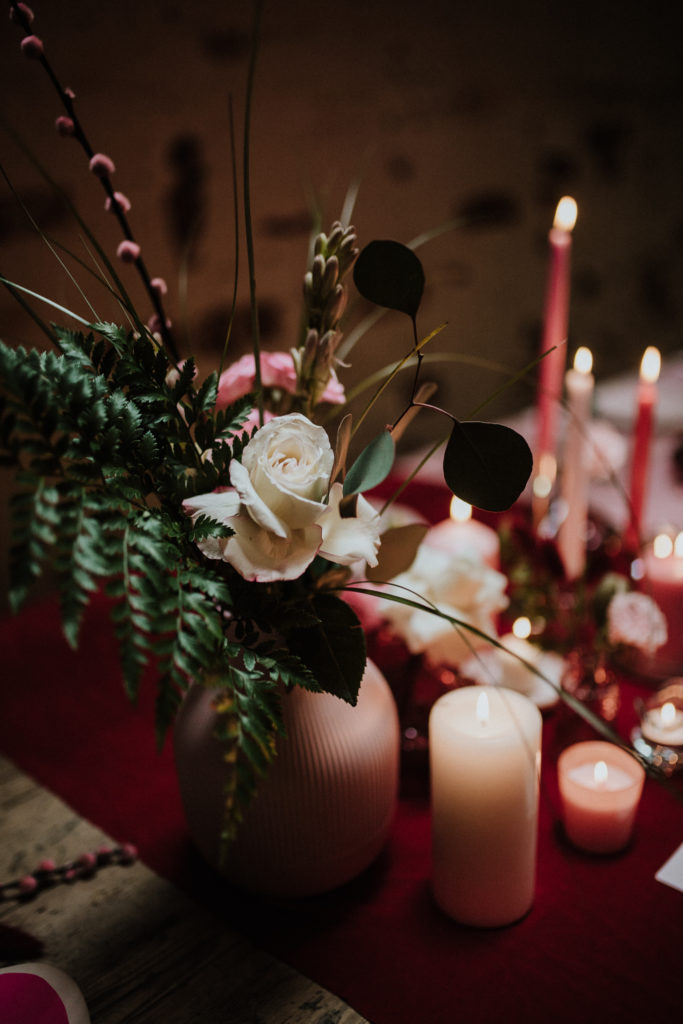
{"x": 322, "y": 813}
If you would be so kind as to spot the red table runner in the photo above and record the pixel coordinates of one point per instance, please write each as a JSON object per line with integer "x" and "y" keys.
{"x": 602, "y": 941}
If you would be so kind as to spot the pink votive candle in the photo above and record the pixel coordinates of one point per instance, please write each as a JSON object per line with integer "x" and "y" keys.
{"x": 600, "y": 788}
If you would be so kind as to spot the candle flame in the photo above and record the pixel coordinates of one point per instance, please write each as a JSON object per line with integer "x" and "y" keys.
{"x": 583, "y": 360}
{"x": 668, "y": 713}
{"x": 544, "y": 480}
{"x": 662, "y": 546}
{"x": 521, "y": 627}
{"x": 650, "y": 364}
{"x": 483, "y": 708}
{"x": 678, "y": 545}
{"x": 460, "y": 510}
{"x": 600, "y": 773}
{"x": 566, "y": 214}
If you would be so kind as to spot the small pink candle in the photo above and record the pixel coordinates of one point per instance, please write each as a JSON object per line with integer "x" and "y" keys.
{"x": 663, "y": 582}
{"x": 555, "y": 327}
{"x": 572, "y": 536}
{"x": 642, "y": 436}
{"x": 600, "y": 788}
{"x": 461, "y": 535}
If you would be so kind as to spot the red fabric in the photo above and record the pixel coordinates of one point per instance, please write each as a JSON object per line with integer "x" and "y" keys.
{"x": 27, "y": 999}
{"x": 602, "y": 941}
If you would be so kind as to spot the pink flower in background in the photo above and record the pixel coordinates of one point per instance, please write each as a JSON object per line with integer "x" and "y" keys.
{"x": 277, "y": 371}
{"x": 636, "y": 620}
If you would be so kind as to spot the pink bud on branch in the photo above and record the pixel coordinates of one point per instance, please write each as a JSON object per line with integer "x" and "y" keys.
{"x": 120, "y": 200}
{"x": 32, "y": 46}
{"x": 65, "y": 126}
{"x": 128, "y": 251}
{"x": 102, "y": 165}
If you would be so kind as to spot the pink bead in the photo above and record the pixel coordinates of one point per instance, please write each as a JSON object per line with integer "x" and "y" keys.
{"x": 128, "y": 252}
{"x": 102, "y": 165}
{"x": 70, "y": 875}
{"x": 32, "y": 47}
{"x": 129, "y": 853}
{"x": 87, "y": 860}
{"x": 28, "y": 884}
{"x": 47, "y": 865}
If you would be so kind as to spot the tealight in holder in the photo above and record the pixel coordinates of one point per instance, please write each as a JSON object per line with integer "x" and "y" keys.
{"x": 658, "y": 737}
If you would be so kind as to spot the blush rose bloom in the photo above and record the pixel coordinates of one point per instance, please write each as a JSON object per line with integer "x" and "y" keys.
{"x": 277, "y": 371}
{"x": 636, "y": 620}
{"x": 277, "y": 508}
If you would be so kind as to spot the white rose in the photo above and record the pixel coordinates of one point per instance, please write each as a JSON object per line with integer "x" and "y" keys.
{"x": 350, "y": 539}
{"x": 277, "y": 508}
{"x": 275, "y": 501}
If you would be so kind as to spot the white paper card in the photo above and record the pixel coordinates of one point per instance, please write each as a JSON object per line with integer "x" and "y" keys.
{"x": 671, "y": 873}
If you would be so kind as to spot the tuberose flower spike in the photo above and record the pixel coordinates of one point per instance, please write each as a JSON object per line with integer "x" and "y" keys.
{"x": 32, "y": 46}
{"x": 128, "y": 251}
{"x": 101, "y": 165}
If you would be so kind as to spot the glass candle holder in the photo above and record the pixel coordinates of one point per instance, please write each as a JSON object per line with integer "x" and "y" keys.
{"x": 600, "y": 788}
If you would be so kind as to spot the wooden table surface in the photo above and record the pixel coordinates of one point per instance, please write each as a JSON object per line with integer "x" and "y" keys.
{"x": 139, "y": 949}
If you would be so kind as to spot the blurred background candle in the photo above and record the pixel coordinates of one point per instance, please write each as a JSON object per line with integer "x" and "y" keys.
{"x": 600, "y": 788}
{"x": 485, "y": 759}
{"x": 571, "y": 540}
{"x": 664, "y": 725}
{"x": 662, "y": 580}
{"x": 460, "y": 534}
{"x": 555, "y": 328}
{"x": 650, "y": 367}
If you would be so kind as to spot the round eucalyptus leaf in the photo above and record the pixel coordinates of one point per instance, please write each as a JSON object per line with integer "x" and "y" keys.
{"x": 390, "y": 274}
{"x": 372, "y": 466}
{"x": 487, "y": 464}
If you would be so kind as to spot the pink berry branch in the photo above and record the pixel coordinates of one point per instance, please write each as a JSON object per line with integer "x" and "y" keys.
{"x": 102, "y": 166}
{"x": 48, "y": 874}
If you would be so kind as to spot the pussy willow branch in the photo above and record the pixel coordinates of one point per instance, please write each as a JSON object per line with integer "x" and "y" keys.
{"x": 66, "y": 98}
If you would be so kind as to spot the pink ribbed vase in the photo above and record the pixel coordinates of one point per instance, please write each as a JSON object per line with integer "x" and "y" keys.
{"x": 323, "y": 812}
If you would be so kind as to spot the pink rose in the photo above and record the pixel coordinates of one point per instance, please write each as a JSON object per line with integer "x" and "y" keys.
{"x": 277, "y": 371}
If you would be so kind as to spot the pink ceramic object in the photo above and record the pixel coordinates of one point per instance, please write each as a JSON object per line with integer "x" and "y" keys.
{"x": 323, "y": 812}
{"x": 34, "y": 993}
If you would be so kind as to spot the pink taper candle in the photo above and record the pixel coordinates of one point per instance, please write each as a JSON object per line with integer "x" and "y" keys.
{"x": 572, "y": 536}
{"x": 642, "y": 437}
{"x": 555, "y": 327}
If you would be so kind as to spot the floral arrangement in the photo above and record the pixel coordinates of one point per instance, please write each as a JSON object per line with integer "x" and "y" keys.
{"x": 217, "y": 514}
{"x": 599, "y": 615}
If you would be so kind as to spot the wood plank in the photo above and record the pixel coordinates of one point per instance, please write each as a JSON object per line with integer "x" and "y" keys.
{"x": 140, "y": 950}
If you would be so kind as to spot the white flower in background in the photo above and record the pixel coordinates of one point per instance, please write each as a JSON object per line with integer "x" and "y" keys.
{"x": 463, "y": 587}
{"x": 636, "y": 620}
{"x": 277, "y": 506}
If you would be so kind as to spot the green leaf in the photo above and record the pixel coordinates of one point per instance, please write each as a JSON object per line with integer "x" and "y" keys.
{"x": 486, "y": 464}
{"x": 390, "y": 274}
{"x": 372, "y": 466}
{"x": 397, "y": 551}
{"x": 334, "y": 650}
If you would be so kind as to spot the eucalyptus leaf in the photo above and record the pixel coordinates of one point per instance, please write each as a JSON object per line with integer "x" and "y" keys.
{"x": 372, "y": 466}
{"x": 486, "y": 464}
{"x": 397, "y": 551}
{"x": 391, "y": 275}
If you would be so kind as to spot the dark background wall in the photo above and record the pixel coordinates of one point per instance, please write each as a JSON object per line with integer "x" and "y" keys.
{"x": 442, "y": 110}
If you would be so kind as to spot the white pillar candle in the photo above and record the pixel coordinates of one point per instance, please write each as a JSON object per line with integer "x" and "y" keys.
{"x": 460, "y": 534}
{"x": 600, "y": 787}
{"x": 485, "y": 760}
{"x": 571, "y": 540}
